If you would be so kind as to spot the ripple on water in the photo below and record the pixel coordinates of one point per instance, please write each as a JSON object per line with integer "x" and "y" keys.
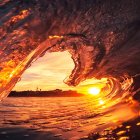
{"x": 72, "y": 119}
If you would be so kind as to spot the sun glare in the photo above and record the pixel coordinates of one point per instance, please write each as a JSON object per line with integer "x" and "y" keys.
{"x": 94, "y": 90}
{"x": 101, "y": 102}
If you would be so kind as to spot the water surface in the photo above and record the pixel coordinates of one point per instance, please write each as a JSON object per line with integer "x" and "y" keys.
{"x": 66, "y": 117}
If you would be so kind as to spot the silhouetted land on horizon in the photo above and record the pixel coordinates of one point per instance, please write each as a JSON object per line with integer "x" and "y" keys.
{"x": 52, "y": 93}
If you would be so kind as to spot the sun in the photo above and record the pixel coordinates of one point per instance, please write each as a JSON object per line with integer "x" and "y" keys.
{"x": 94, "y": 90}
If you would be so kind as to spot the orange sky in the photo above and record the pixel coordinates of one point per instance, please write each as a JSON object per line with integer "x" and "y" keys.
{"x": 47, "y": 73}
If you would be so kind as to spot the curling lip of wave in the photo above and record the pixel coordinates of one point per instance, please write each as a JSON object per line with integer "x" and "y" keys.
{"x": 102, "y": 36}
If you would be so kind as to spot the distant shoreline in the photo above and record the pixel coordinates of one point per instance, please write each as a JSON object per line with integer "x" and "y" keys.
{"x": 52, "y": 93}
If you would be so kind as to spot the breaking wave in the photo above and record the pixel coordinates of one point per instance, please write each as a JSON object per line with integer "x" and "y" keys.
{"x": 102, "y": 37}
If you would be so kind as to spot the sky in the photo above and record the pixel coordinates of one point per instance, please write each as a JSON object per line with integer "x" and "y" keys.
{"x": 47, "y": 73}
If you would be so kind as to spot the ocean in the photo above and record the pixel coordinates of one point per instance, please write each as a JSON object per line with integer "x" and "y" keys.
{"x": 69, "y": 118}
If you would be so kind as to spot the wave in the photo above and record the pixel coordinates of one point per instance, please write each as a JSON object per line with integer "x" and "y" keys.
{"x": 103, "y": 38}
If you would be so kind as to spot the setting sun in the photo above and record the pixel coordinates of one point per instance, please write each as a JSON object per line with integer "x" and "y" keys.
{"x": 94, "y": 90}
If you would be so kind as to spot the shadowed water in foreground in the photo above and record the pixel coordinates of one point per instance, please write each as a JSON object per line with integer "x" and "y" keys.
{"x": 69, "y": 118}
{"x": 14, "y": 133}
{"x": 127, "y": 131}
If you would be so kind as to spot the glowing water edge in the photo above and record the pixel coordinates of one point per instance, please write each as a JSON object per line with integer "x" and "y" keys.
{"x": 65, "y": 117}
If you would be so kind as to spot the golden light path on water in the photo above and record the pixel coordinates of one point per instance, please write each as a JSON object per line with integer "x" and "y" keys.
{"x": 111, "y": 96}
